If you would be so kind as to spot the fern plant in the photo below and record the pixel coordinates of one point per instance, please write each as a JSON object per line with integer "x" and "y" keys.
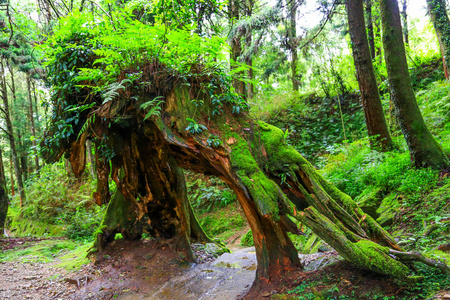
{"x": 154, "y": 105}
{"x": 111, "y": 90}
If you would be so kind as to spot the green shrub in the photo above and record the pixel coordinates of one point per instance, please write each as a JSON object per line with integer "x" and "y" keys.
{"x": 208, "y": 193}
{"x": 247, "y": 239}
{"x": 56, "y": 202}
{"x": 352, "y": 168}
{"x": 83, "y": 222}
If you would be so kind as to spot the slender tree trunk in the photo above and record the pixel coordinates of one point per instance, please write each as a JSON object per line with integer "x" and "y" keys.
{"x": 404, "y": 15}
{"x": 236, "y": 47}
{"x": 91, "y": 158}
{"x": 36, "y": 110}
{"x": 12, "y": 141}
{"x": 11, "y": 174}
{"x": 423, "y": 148}
{"x": 2, "y": 168}
{"x": 4, "y": 202}
{"x": 441, "y": 23}
{"x": 20, "y": 143}
{"x": 248, "y": 60}
{"x": 32, "y": 125}
{"x": 370, "y": 31}
{"x": 292, "y": 40}
{"x": 377, "y": 39}
{"x": 373, "y": 109}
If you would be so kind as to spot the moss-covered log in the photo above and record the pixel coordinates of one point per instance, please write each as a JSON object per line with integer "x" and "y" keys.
{"x": 272, "y": 181}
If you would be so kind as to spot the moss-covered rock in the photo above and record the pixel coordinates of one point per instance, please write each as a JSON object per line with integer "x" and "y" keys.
{"x": 370, "y": 200}
{"x": 387, "y": 210}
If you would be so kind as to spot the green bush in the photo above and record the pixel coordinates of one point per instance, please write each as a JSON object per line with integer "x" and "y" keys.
{"x": 208, "y": 193}
{"x": 55, "y": 200}
{"x": 353, "y": 168}
{"x": 83, "y": 222}
{"x": 247, "y": 239}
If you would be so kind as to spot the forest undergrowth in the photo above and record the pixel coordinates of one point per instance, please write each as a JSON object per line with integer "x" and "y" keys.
{"x": 413, "y": 204}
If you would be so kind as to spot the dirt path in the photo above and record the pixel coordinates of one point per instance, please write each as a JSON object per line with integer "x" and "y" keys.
{"x": 131, "y": 271}
{"x": 32, "y": 281}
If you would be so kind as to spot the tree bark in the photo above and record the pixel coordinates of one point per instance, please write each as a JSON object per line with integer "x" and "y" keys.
{"x": 423, "y": 148}
{"x": 248, "y": 43}
{"x": 32, "y": 125}
{"x": 404, "y": 15}
{"x": 370, "y": 31}
{"x": 236, "y": 47}
{"x": 102, "y": 194}
{"x": 4, "y": 201}
{"x": 11, "y": 173}
{"x": 91, "y": 159}
{"x": 292, "y": 42}
{"x": 151, "y": 195}
{"x": 373, "y": 109}
{"x": 12, "y": 141}
{"x": 441, "y": 23}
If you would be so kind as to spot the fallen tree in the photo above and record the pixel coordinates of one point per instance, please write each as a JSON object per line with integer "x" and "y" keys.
{"x": 150, "y": 128}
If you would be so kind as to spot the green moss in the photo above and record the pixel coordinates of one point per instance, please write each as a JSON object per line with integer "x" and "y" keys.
{"x": 387, "y": 210}
{"x": 370, "y": 200}
{"x": 265, "y": 192}
{"x": 19, "y": 226}
{"x": 438, "y": 255}
{"x": 44, "y": 251}
{"x": 75, "y": 259}
{"x": 119, "y": 214}
{"x": 376, "y": 258}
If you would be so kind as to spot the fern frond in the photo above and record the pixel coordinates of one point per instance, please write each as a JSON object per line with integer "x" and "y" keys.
{"x": 111, "y": 91}
{"x": 154, "y": 105}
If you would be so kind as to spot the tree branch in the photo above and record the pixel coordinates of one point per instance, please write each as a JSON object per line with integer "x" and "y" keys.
{"x": 415, "y": 256}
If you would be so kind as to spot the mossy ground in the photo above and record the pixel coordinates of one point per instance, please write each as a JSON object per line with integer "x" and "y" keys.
{"x": 43, "y": 251}
{"x": 18, "y": 226}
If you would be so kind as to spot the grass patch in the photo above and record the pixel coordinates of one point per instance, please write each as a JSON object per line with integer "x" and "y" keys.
{"x": 43, "y": 251}
{"x": 223, "y": 223}
{"x": 75, "y": 259}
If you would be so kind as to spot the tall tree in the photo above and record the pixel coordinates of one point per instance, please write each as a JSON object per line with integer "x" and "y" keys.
{"x": 423, "y": 148}
{"x": 10, "y": 132}
{"x": 441, "y": 23}
{"x": 370, "y": 31}
{"x": 3, "y": 195}
{"x": 292, "y": 42}
{"x": 404, "y": 15}
{"x": 235, "y": 43}
{"x": 31, "y": 119}
{"x": 373, "y": 109}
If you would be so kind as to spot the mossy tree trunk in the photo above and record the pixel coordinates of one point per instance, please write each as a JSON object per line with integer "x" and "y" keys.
{"x": 423, "y": 148}
{"x": 441, "y": 23}
{"x": 373, "y": 109}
